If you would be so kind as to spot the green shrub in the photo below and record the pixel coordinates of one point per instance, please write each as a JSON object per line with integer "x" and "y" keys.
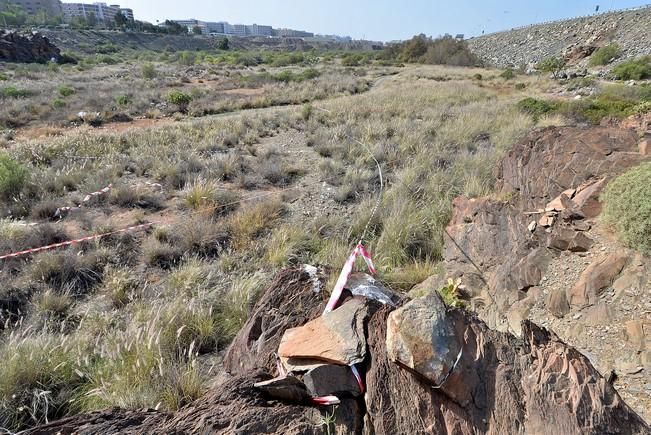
{"x": 477, "y": 76}
{"x": 508, "y": 74}
{"x": 148, "y": 71}
{"x": 66, "y": 91}
{"x": 450, "y": 293}
{"x": 536, "y": 107}
{"x": 3, "y": 77}
{"x": 627, "y": 206}
{"x": 14, "y": 92}
{"x": 605, "y": 55}
{"x": 123, "y": 100}
{"x": 634, "y": 69}
{"x": 58, "y": 103}
{"x": 12, "y": 177}
{"x": 520, "y": 86}
{"x": 180, "y": 99}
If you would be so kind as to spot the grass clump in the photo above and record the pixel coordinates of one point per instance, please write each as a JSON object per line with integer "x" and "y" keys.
{"x": 605, "y": 55}
{"x": 508, "y": 74}
{"x": 66, "y": 270}
{"x": 634, "y": 69}
{"x": 148, "y": 71}
{"x": 13, "y": 177}
{"x": 627, "y": 206}
{"x": 290, "y": 245}
{"x": 250, "y": 222}
{"x": 66, "y": 91}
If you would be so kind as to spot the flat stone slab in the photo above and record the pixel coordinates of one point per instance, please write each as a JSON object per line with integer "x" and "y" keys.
{"x": 336, "y": 337}
{"x": 328, "y": 379}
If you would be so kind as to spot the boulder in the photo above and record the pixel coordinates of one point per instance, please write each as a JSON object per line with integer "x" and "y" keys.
{"x": 634, "y": 332}
{"x": 557, "y": 303}
{"x": 595, "y": 278}
{"x": 328, "y": 379}
{"x": 421, "y": 338}
{"x": 335, "y": 337}
{"x": 568, "y": 239}
{"x": 290, "y": 301}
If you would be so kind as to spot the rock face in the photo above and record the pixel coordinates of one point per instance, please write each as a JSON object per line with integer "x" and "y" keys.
{"x": 289, "y": 302}
{"x": 494, "y": 248}
{"x": 15, "y": 47}
{"x": 575, "y": 39}
{"x": 502, "y": 385}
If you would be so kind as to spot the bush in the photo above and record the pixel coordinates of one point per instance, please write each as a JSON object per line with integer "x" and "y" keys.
{"x": 66, "y": 91}
{"x": 440, "y": 51}
{"x": 605, "y": 55}
{"x": 58, "y": 103}
{"x": 535, "y": 107}
{"x": 520, "y": 86}
{"x": 65, "y": 270}
{"x": 148, "y": 71}
{"x": 508, "y": 74}
{"x": 123, "y": 100}
{"x": 14, "y": 92}
{"x": 477, "y": 76}
{"x": 3, "y": 77}
{"x": 180, "y": 99}
{"x": 627, "y": 206}
{"x": 12, "y": 177}
{"x": 634, "y": 69}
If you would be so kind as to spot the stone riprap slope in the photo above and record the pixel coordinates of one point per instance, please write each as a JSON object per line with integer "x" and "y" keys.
{"x": 528, "y": 45}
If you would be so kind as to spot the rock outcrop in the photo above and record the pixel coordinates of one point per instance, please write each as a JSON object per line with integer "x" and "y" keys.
{"x": 575, "y": 39}
{"x": 15, "y": 47}
{"x": 499, "y": 383}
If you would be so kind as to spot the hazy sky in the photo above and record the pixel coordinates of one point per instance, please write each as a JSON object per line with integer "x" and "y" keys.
{"x": 374, "y": 19}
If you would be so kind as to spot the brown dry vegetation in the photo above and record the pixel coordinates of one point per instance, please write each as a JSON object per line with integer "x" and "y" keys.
{"x": 139, "y": 319}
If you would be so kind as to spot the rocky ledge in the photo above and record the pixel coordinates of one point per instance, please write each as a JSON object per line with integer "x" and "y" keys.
{"x": 16, "y": 47}
{"x": 424, "y": 368}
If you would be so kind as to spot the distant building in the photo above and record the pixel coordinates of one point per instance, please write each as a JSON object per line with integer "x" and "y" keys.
{"x": 128, "y": 13}
{"x": 256, "y": 30}
{"x": 289, "y": 33}
{"x": 102, "y": 12}
{"x": 32, "y": 7}
{"x": 239, "y": 30}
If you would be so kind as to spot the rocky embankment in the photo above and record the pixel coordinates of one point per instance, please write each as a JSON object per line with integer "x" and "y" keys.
{"x": 545, "y": 255}
{"x": 423, "y": 368}
{"x": 16, "y": 47}
{"x": 573, "y": 38}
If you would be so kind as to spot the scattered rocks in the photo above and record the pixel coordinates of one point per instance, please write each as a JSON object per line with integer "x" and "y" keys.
{"x": 567, "y": 239}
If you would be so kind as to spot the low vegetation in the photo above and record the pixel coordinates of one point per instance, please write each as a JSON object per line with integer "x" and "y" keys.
{"x": 633, "y": 69}
{"x": 605, "y": 55}
{"x": 627, "y": 207}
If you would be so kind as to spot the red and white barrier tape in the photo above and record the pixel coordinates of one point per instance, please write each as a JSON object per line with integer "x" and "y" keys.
{"x": 73, "y": 242}
{"x": 345, "y": 274}
{"x": 332, "y": 303}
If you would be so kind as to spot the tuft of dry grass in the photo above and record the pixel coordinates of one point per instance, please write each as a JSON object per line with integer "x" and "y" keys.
{"x": 251, "y": 221}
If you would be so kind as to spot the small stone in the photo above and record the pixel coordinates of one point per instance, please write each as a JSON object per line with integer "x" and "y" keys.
{"x": 330, "y": 379}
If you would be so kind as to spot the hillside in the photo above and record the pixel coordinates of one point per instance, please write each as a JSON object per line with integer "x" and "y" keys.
{"x": 527, "y": 45}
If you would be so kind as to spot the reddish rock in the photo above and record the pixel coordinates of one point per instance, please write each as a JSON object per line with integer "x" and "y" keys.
{"x": 256, "y": 344}
{"x": 552, "y": 160}
{"x": 336, "y": 337}
{"x": 586, "y": 199}
{"x": 536, "y": 385}
{"x": 634, "y": 331}
{"x": 567, "y": 239}
{"x": 597, "y": 277}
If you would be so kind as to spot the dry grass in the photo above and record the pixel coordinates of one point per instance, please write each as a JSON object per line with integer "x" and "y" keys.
{"x": 146, "y": 306}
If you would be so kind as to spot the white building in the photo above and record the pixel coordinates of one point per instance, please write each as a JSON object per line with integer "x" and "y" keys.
{"x": 100, "y": 11}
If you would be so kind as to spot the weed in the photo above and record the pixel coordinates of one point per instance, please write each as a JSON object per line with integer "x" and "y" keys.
{"x": 12, "y": 177}
{"x": 450, "y": 293}
{"x": 148, "y": 71}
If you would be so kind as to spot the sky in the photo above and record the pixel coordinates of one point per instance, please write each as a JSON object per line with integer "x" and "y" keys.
{"x": 381, "y": 20}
